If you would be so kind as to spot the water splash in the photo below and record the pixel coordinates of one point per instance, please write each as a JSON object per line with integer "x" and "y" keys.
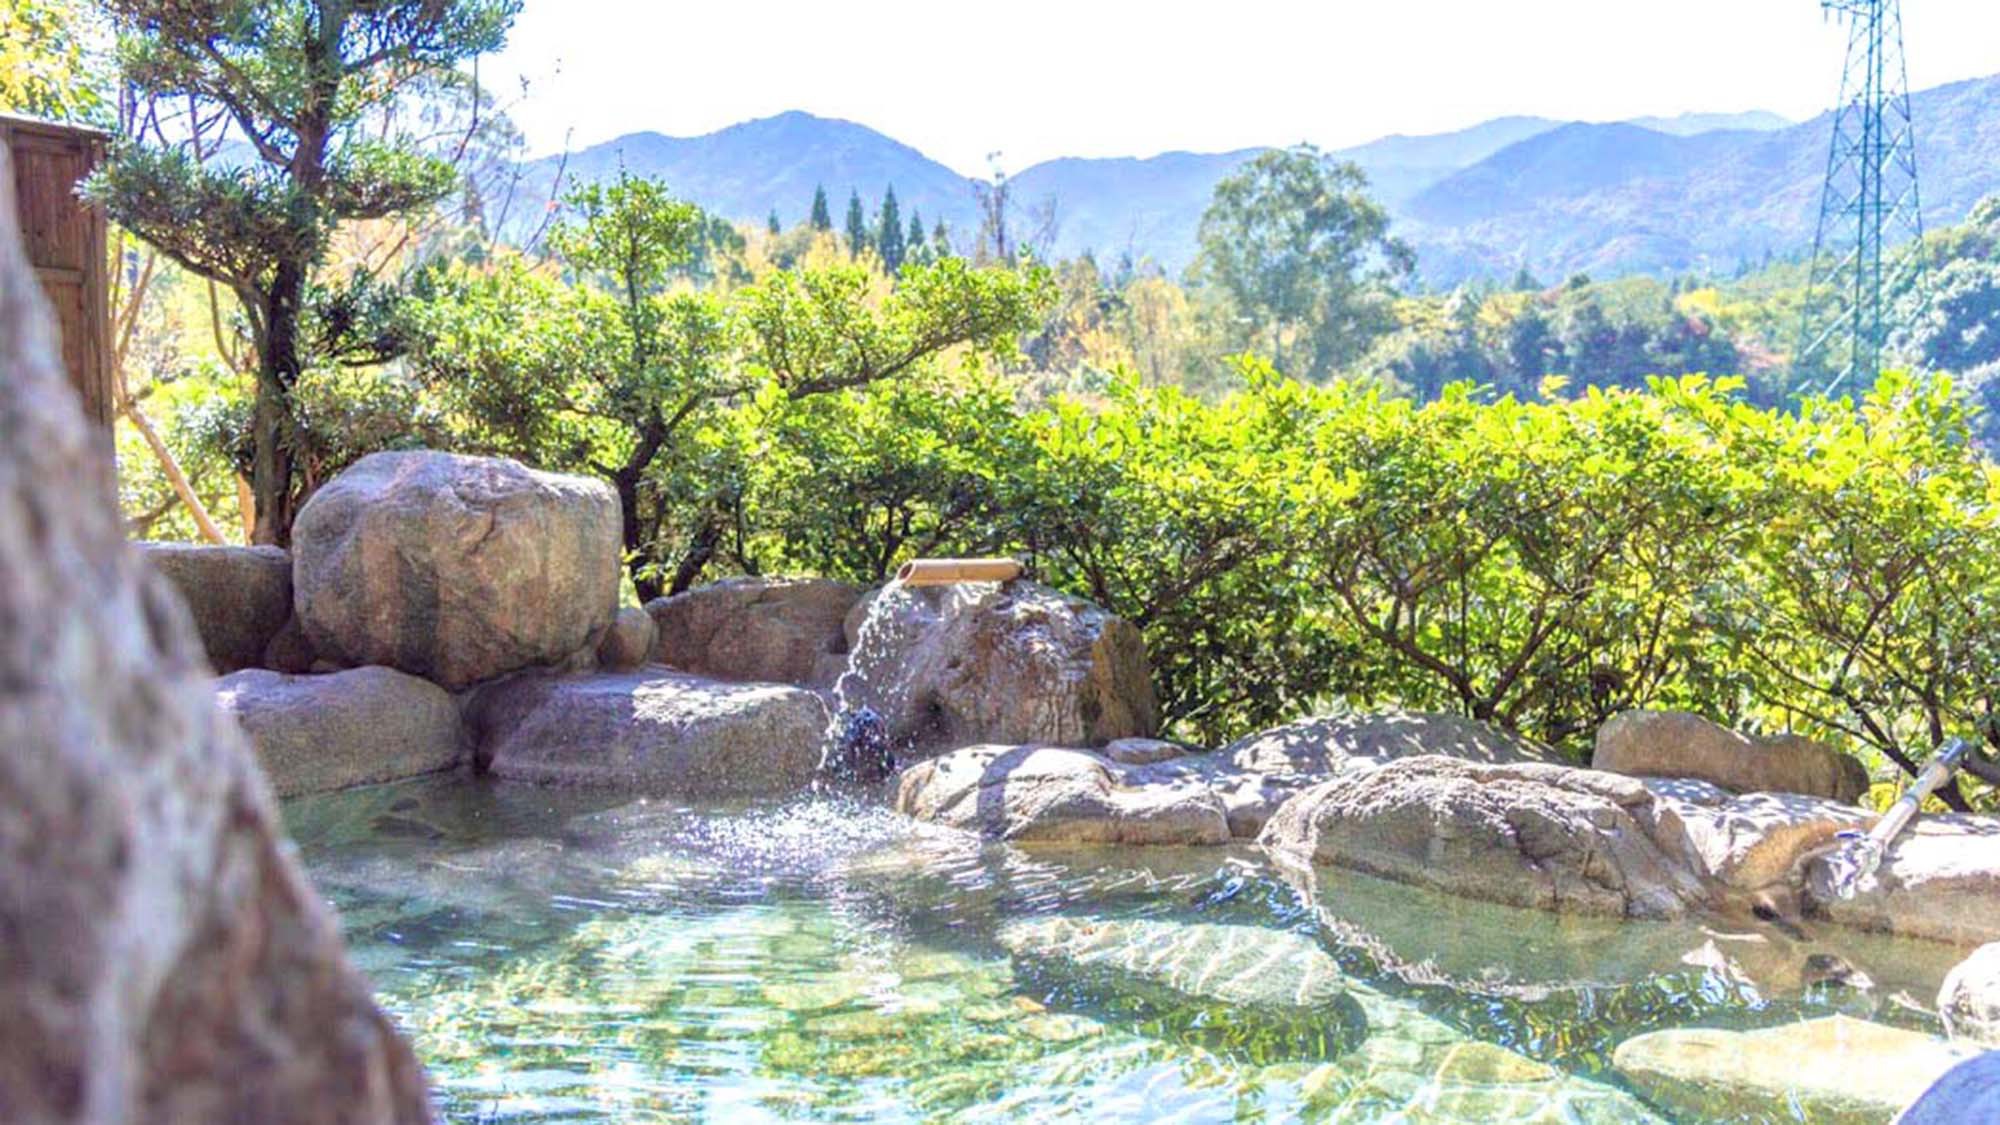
{"x": 869, "y": 695}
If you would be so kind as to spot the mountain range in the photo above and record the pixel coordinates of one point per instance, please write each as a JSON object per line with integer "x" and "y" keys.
{"x": 1697, "y": 193}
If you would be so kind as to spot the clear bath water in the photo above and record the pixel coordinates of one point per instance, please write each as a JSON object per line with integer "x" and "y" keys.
{"x": 560, "y": 957}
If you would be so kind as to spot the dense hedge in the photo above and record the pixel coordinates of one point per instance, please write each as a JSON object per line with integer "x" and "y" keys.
{"x": 1541, "y": 565}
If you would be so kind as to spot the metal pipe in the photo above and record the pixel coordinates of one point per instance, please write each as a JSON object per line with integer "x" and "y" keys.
{"x": 1862, "y": 853}
{"x": 945, "y": 572}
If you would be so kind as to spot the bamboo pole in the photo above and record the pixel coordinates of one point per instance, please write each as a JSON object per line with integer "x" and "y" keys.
{"x": 944, "y": 572}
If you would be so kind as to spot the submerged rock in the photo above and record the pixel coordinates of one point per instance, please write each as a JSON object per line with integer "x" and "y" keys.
{"x": 1679, "y": 744}
{"x": 165, "y": 958}
{"x": 1013, "y": 663}
{"x": 1030, "y": 794}
{"x": 457, "y": 569}
{"x": 1831, "y": 1069}
{"x": 240, "y": 597}
{"x": 1244, "y": 966}
{"x": 652, "y": 731}
{"x": 1526, "y": 835}
{"x": 1969, "y": 1002}
{"x": 358, "y": 727}
{"x": 1233, "y": 989}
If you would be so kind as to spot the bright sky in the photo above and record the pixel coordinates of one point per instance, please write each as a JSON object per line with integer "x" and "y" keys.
{"x": 1034, "y": 79}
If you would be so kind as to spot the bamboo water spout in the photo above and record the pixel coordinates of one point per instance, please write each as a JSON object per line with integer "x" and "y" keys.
{"x": 944, "y": 572}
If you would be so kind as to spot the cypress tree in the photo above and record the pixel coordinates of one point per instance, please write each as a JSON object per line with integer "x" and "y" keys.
{"x": 889, "y": 232}
{"x": 822, "y": 218}
{"x": 771, "y": 224}
{"x": 857, "y": 226}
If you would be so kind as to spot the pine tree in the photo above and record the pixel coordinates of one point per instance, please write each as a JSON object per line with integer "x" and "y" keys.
{"x": 857, "y": 226}
{"x": 822, "y": 217}
{"x": 940, "y": 240}
{"x": 771, "y": 224}
{"x": 889, "y": 232}
{"x": 915, "y": 249}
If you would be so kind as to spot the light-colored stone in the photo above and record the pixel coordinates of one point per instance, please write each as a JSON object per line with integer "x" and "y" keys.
{"x": 241, "y": 597}
{"x": 357, "y": 727}
{"x": 1679, "y": 744}
{"x": 1939, "y": 880}
{"x": 652, "y": 731}
{"x": 769, "y": 630}
{"x": 1831, "y": 1069}
{"x": 1969, "y": 1002}
{"x": 1014, "y": 663}
{"x": 1255, "y": 775}
{"x": 628, "y": 644}
{"x": 1543, "y": 836}
{"x": 457, "y": 569}
{"x": 165, "y": 960}
{"x": 1142, "y": 751}
{"x": 1031, "y": 794}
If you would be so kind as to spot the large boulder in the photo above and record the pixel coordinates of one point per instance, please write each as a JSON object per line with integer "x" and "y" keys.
{"x": 165, "y": 958}
{"x": 1535, "y": 835}
{"x": 1012, "y": 663}
{"x": 1939, "y": 880}
{"x": 1970, "y": 998}
{"x": 355, "y": 727}
{"x": 768, "y": 630}
{"x": 1039, "y": 794}
{"x": 652, "y": 732}
{"x": 1679, "y": 744}
{"x": 1256, "y": 774}
{"x": 457, "y": 569}
{"x": 240, "y": 597}
{"x": 1833, "y": 1069}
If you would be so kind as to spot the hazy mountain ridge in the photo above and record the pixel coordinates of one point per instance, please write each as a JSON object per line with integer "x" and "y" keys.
{"x": 1651, "y": 195}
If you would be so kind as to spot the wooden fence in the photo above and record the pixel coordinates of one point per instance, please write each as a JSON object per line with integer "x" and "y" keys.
{"x": 65, "y": 238}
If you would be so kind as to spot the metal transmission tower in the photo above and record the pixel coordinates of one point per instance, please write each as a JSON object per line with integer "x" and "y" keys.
{"x": 1870, "y": 218}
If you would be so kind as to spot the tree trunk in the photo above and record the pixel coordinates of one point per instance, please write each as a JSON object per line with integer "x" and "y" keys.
{"x": 277, "y": 374}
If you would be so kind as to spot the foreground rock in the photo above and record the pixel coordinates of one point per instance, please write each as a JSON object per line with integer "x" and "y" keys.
{"x": 1678, "y": 744}
{"x": 1832, "y": 1069}
{"x": 1525, "y": 835}
{"x": 1013, "y": 663}
{"x": 165, "y": 958}
{"x": 769, "y": 630}
{"x": 358, "y": 727}
{"x": 1255, "y": 775}
{"x": 457, "y": 569}
{"x": 1031, "y": 794}
{"x": 1940, "y": 880}
{"x": 1968, "y": 1092}
{"x": 1969, "y": 1002}
{"x": 653, "y": 731}
{"x": 240, "y": 597}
